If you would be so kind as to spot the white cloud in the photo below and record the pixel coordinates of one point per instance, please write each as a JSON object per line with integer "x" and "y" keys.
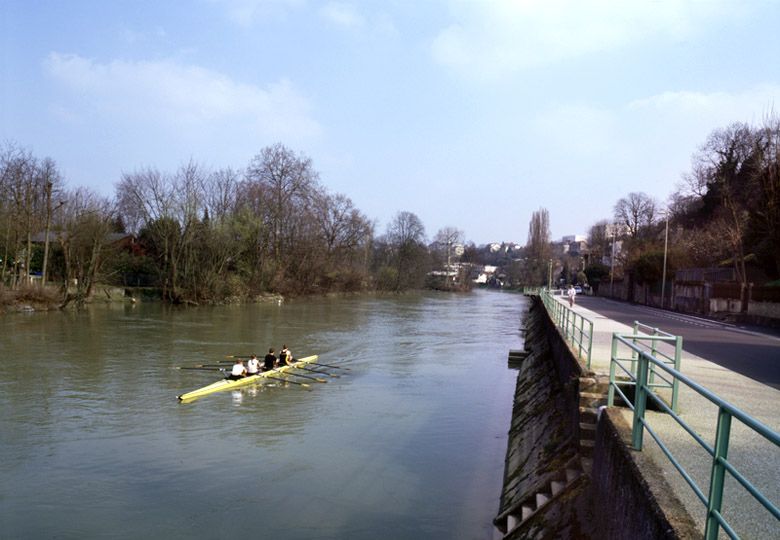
{"x": 342, "y": 14}
{"x": 180, "y": 97}
{"x": 247, "y": 12}
{"x": 715, "y": 108}
{"x": 488, "y": 39}
{"x": 349, "y": 17}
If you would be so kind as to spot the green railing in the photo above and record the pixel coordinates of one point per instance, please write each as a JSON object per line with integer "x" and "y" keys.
{"x": 713, "y": 501}
{"x": 576, "y": 329}
{"x": 648, "y": 339}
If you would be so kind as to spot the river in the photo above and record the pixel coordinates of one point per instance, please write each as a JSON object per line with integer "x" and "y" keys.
{"x": 409, "y": 443}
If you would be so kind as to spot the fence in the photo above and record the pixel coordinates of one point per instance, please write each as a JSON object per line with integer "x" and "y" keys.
{"x": 650, "y": 340}
{"x": 647, "y": 363}
{"x": 576, "y": 329}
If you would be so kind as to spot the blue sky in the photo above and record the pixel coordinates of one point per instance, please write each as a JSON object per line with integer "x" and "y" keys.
{"x": 469, "y": 114}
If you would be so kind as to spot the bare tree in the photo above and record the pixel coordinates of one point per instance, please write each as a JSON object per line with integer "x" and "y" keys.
{"x": 729, "y": 162}
{"x": 26, "y": 185}
{"x": 289, "y": 181}
{"x": 343, "y": 227}
{"x": 167, "y": 209}
{"x": 221, "y": 192}
{"x": 635, "y": 212}
{"x": 538, "y": 249}
{"x": 766, "y": 191}
{"x": 86, "y": 224}
{"x": 406, "y": 239}
{"x": 446, "y": 238}
{"x": 599, "y": 241}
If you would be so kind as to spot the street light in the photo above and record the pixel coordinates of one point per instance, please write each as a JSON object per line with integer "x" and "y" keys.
{"x": 612, "y": 262}
{"x": 666, "y": 243}
{"x": 549, "y": 276}
{"x": 49, "y": 210}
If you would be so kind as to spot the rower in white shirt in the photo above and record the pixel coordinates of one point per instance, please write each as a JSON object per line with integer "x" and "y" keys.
{"x": 238, "y": 371}
{"x": 253, "y": 366}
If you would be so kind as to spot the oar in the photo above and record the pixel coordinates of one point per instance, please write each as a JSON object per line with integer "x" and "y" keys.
{"x": 331, "y": 366}
{"x": 318, "y": 371}
{"x": 220, "y": 366}
{"x": 285, "y": 380}
{"x": 305, "y": 376}
{"x": 203, "y": 368}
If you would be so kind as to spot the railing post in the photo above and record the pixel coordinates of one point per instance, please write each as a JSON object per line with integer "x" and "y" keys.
{"x": 718, "y": 476}
{"x": 633, "y": 350}
{"x": 640, "y": 403}
{"x": 653, "y": 350}
{"x": 590, "y": 342}
{"x": 675, "y": 383}
{"x": 582, "y": 330}
{"x": 612, "y": 360}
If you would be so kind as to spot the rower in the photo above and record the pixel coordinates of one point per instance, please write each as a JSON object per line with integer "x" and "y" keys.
{"x": 238, "y": 371}
{"x": 269, "y": 360}
{"x": 285, "y": 356}
{"x": 253, "y": 366}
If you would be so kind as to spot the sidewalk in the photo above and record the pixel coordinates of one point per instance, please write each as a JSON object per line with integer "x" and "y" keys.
{"x": 753, "y": 456}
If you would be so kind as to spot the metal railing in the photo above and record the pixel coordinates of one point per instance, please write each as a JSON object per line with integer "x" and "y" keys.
{"x": 648, "y": 338}
{"x": 713, "y": 501}
{"x": 576, "y": 329}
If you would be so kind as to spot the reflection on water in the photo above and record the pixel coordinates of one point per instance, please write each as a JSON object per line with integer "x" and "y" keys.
{"x": 409, "y": 443}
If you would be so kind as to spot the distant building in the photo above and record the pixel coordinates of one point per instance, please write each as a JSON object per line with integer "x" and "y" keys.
{"x": 574, "y": 244}
{"x": 484, "y": 276}
{"x": 574, "y": 238}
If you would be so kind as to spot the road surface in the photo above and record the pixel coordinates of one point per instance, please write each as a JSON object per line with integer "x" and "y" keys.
{"x": 753, "y": 352}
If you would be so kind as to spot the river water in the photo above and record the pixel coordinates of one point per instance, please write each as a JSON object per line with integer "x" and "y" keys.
{"x": 409, "y": 443}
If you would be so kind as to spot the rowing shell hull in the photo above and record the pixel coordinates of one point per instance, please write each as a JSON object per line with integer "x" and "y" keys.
{"x": 226, "y": 384}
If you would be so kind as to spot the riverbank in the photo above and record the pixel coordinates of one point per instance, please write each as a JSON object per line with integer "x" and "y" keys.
{"x": 35, "y": 298}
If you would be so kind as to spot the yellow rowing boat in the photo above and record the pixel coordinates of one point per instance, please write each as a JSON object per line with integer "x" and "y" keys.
{"x": 228, "y": 384}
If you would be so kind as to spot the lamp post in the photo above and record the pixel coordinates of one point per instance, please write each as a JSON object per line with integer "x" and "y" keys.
{"x": 549, "y": 276}
{"x": 612, "y": 262}
{"x": 46, "y": 239}
{"x": 48, "y": 229}
{"x": 666, "y": 243}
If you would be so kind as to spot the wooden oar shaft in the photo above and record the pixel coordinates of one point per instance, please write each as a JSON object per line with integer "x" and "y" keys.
{"x": 318, "y": 371}
{"x": 220, "y": 366}
{"x": 204, "y": 368}
{"x": 331, "y": 366}
{"x": 285, "y": 380}
{"x": 305, "y": 376}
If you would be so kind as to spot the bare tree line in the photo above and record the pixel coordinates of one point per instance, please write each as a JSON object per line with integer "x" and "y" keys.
{"x": 200, "y": 235}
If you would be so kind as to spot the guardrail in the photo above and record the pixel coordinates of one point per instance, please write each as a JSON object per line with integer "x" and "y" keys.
{"x": 576, "y": 329}
{"x": 648, "y": 339}
{"x": 713, "y": 501}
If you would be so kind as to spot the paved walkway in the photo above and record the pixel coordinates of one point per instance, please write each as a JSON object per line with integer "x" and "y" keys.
{"x": 751, "y": 454}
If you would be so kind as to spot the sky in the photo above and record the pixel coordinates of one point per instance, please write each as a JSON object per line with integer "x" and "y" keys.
{"x": 470, "y": 114}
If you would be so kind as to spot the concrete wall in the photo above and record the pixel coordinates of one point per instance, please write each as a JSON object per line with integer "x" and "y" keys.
{"x": 543, "y": 442}
{"x": 617, "y": 500}
{"x": 769, "y": 310}
{"x": 633, "y": 498}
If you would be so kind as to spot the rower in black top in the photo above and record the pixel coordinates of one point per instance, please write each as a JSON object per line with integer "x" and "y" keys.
{"x": 269, "y": 360}
{"x": 285, "y": 356}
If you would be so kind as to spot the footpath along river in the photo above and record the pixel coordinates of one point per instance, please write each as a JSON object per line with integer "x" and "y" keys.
{"x": 410, "y": 443}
